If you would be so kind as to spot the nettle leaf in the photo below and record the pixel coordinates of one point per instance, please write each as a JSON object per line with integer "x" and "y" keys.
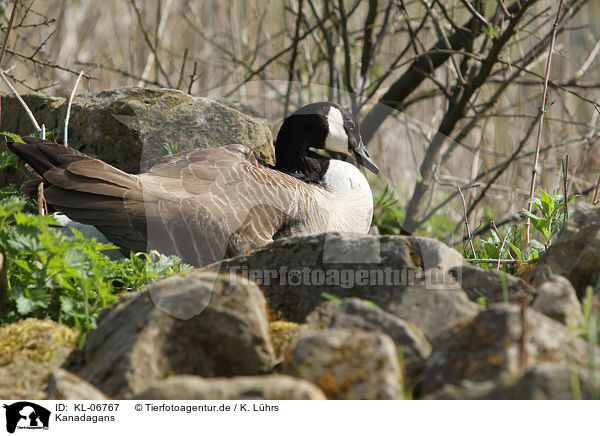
{"x": 536, "y": 202}
{"x": 25, "y": 305}
{"x": 532, "y": 216}
{"x": 547, "y": 203}
{"x": 13, "y": 137}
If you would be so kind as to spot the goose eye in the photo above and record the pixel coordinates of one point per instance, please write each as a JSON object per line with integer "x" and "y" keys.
{"x": 351, "y": 124}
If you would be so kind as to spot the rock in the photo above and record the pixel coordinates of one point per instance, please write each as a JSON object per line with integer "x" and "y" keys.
{"x": 432, "y": 310}
{"x": 358, "y": 314}
{"x": 488, "y": 345}
{"x": 30, "y": 350}
{"x": 575, "y": 254}
{"x": 557, "y": 299}
{"x": 546, "y": 381}
{"x": 347, "y": 364}
{"x": 128, "y": 125}
{"x": 64, "y": 385}
{"x": 490, "y": 284}
{"x": 282, "y": 333}
{"x": 200, "y": 323}
{"x": 267, "y": 387}
{"x": 295, "y": 272}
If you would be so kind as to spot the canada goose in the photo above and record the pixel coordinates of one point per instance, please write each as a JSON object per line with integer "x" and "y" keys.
{"x": 205, "y": 205}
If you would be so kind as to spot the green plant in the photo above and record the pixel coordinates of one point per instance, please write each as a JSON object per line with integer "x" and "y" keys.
{"x": 387, "y": 214}
{"x": 66, "y": 278}
{"x": 171, "y": 148}
{"x": 550, "y": 221}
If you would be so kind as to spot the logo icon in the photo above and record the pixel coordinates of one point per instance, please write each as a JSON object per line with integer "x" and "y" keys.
{"x": 26, "y": 415}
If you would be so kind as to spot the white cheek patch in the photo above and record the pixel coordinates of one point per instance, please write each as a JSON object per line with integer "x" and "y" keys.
{"x": 337, "y": 139}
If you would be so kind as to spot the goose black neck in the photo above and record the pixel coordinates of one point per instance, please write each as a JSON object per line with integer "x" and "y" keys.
{"x": 297, "y": 135}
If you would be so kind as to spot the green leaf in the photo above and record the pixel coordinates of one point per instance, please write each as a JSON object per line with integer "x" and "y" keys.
{"x": 7, "y": 160}
{"x": 572, "y": 197}
{"x": 24, "y": 305}
{"x": 13, "y": 136}
{"x": 516, "y": 250}
{"x": 547, "y": 203}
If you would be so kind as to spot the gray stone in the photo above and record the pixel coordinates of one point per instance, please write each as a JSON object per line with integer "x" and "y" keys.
{"x": 575, "y": 254}
{"x": 487, "y": 346}
{"x": 557, "y": 299}
{"x": 355, "y": 313}
{"x": 267, "y": 387}
{"x": 546, "y": 381}
{"x": 490, "y": 284}
{"x": 128, "y": 125}
{"x": 432, "y": 310}
{"x": 347, "y": 364}
{"x": 64, "y": 385}
{"x": 200, "y": 323}
{"x": 295, "y": 272}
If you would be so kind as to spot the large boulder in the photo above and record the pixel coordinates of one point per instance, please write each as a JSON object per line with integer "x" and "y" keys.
{"x": 491, "y": 345}
{"x": 575, "y": 254}
{"x": 493, "y": 285}
{"x": 557, "y": 299}
{"x": 200, "y": 323}
{"x": 295, "y": 273}
{"x": 347, "y": 364}
{"x": 126, "y": 126}
{"x": 353, "y": 313}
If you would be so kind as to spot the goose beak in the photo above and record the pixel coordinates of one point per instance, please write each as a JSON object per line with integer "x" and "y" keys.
{"x": 363, "y": 158}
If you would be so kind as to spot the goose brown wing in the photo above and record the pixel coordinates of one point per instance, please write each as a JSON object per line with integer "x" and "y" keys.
{"x": 202, "y": 205}
{"x": 227, "y": 202}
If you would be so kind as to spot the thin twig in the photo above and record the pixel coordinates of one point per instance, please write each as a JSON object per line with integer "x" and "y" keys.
{"x": 495, "y": 261}
{"x": 565, "y": 168}
{"x": 597, "y": 190}
{"x": 472, "y": 9}
{"x": 42, "y": 205}
{"x": 48, "y": 64}
{"x": 27, "y": 110}
{"x": 10, "y": 23}
{"x": 502, "y": 248}
{"x": 69, "y": 109}
{"x": 180, "y": 81}
{"x": 581, "y": 71}
{"x": 192, "y": 77}
{"x": 534, "y": 171}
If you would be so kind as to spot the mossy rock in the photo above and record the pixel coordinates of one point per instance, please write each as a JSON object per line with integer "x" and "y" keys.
{"x": 126, "y": 126}
{"x": 30, "y": 350}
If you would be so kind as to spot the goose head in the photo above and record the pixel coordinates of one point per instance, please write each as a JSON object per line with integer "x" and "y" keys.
{"x": 322, "y": 126}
